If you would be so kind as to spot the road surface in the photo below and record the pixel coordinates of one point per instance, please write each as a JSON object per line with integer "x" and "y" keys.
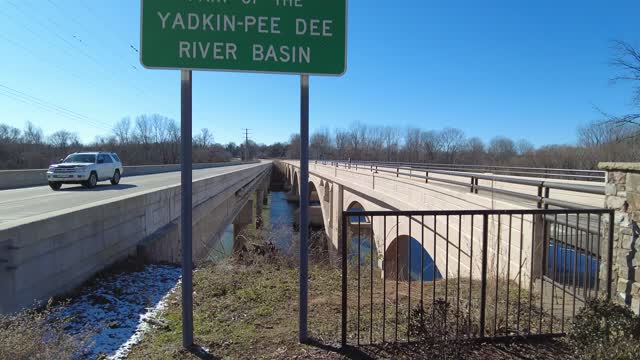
{"x": 19, "y": 204}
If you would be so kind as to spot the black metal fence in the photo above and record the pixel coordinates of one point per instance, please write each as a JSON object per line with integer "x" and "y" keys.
{"x": 425, "y": 275}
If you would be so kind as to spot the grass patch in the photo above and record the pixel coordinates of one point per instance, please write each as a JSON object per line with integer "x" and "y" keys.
{"x": 247, "y": 307}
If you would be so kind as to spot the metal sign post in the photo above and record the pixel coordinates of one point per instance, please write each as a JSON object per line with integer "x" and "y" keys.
{"x": 304, "y": 205}
{"x": 185, "y": 219}
{"x": 292, "y": 37}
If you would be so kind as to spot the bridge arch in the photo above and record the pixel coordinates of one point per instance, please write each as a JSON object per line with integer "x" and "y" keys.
{"x": 314, "y": 195}
{"x": 405, "y": 258}
{"x": 360, "y": 232}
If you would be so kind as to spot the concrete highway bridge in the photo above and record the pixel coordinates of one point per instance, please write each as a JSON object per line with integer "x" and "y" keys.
{"x": 51, "y": 242}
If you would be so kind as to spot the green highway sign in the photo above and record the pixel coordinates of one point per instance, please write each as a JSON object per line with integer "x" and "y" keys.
{"x": 277, "y": 36}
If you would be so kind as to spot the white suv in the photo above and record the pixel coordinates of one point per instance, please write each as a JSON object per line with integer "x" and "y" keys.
{"x": 86, "y": 169}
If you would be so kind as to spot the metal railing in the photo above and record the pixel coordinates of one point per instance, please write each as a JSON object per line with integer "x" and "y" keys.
{"x": 542, "y": 199}
{"x": 477, "y": 274}
{"x": 548, "y": 173}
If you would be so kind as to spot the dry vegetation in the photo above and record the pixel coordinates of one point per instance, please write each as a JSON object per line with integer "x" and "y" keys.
{"x": 37, "y": 334}
{"x": 246, "y": 307}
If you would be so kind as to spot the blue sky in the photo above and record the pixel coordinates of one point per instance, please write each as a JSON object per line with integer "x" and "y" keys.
{"x": 532, "y": 70}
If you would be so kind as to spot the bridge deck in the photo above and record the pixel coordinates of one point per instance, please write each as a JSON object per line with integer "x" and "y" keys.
{"x": 20, "y": 204}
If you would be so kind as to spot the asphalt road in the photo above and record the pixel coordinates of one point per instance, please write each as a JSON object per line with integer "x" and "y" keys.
{"x": 19, "y": 204}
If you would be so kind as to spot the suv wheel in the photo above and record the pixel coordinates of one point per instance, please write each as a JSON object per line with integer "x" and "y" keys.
{"x": 55, "y": 186}
{"x": 115, "y": 180}
{"x": 93, "y": 180}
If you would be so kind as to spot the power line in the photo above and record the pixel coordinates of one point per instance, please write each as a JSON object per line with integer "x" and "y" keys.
{"x": 62, "y": 11}
{"x": 51, "y": 107}
{"x": 60, "y": 108}
{"x": 102, "y": 66}
{"x": 36, "y": 56}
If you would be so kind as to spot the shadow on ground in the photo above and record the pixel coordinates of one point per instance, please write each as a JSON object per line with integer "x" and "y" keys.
{"x": 516, "y": 349}
{"x": 109, "y": 187}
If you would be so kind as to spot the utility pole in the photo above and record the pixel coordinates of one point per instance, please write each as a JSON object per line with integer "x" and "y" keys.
{"x": 246, "y": 144}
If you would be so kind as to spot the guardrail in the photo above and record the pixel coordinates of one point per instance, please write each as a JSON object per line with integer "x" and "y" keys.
{"x": 411, "y": 276}
{"x": 543, "y": 187}
{"x": 549, "y": 173}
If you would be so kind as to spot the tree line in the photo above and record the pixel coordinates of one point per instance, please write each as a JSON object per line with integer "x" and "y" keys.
{"x": 155, "y": 139}
{"x": 145, "y": 140}
{"x": 596, "y": 142}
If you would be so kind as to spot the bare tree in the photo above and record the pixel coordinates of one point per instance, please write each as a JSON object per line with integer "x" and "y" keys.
{"x": 294, "y": 147}
{"x": 501, "y": 149}
{"x": 122, "y": 130}
{"x": 143, "y": 131}
{"x": 431, "y": 144}
{"x": 627, "y": 61}
{"x": 524, "y": 147}
{"x": 357, "y": 138}
{"x": 374, "y": 143}
{"x": 452, "y": 141}
{"x": 32, "y": 134}
{"x": 204, "y": 139}
{"x": 391, "y": 141}
{"x": 412, "y": 144}
{"x": 63, "y": 139}
{"x": 342, "y": 144}
{"x": 320, "y": 144}
{"x": 474, "y": 151}
{"x": 9, "y": 134}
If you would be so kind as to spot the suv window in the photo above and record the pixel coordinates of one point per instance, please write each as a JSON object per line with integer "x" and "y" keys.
{"x": 105, "y": 159}
{"x": 80, "y": 158}
{"x": 115, "y": 157}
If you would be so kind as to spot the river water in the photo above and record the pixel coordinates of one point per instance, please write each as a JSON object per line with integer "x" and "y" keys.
{"x": 278, "y": 214}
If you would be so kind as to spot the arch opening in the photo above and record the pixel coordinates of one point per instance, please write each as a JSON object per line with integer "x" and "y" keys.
{"x": 362, "y": 244}
{"x": 405, "y": 259}
{"x": 314, "y": 195}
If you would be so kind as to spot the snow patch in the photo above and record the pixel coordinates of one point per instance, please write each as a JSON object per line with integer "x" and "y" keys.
{"x": 118, "y": 308}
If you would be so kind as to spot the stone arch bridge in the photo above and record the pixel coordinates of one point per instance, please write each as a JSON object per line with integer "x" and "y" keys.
{"x": 445, "y": 241}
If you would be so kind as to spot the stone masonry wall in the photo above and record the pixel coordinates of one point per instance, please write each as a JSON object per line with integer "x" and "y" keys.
{"x": 623, "y": 195}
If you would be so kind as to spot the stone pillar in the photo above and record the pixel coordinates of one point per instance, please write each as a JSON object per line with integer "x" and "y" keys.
{"x": 623, "y": 195}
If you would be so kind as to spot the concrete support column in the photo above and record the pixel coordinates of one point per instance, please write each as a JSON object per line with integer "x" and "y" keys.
{"x": 623, "y": 196}
{"x": 337, "y": 205}
{"x": 240, "y": 223}
{"x": 539, "y": 244}
{"x": 259, "y": 202}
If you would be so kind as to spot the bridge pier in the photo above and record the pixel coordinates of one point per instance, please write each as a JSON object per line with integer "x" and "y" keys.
{"x": 336, "y": 204}
{"x": 240, "y": 223}
{"x": 259, "y": 203}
